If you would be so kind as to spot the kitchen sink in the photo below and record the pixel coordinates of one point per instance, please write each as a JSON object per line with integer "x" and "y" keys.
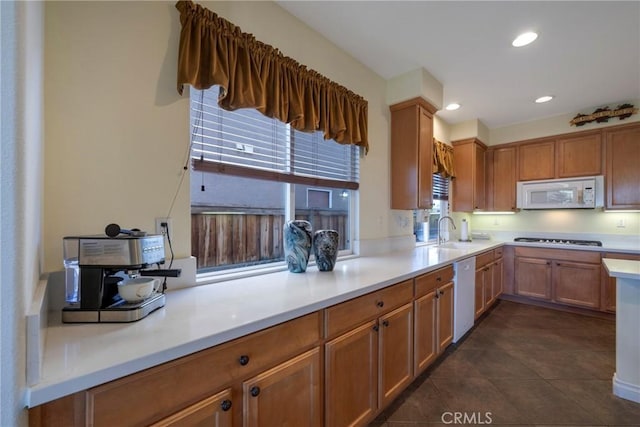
{"x": 462, "y": 245}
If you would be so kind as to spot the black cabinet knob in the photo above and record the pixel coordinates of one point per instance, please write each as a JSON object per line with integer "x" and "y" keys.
{"x": 255, "y": 390}
{"x": 385, "y": 323}
{"x": 438, "y": 279}
{"x": 375, "y": 328}
{"x": 225, "y": 405}
{"x": 380, "y": 304}
{"x": 244, "y": 360}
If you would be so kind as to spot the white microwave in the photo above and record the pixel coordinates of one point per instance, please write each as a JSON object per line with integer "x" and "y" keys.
{"x": 569, "y": 193}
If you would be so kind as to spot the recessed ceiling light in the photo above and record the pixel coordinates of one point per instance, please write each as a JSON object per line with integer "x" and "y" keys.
{"x": 524, "y": 39}
{"x": 452, "y": 106}
{"x": 545, "y": 98}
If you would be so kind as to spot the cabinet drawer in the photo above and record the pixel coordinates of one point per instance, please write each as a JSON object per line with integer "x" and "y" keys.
{"x": 559, "y": 254}
{"x": 148, "y": 396}
{"x": 429, "y": 281}
{"x": 497, "y": 253}
{"x": 484, "y": 259}
{"x": 347, "y": 315}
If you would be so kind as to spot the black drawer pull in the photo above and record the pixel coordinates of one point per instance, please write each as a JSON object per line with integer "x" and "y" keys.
{"x": 225, "y": 405}
{"x": 243, "y": 360}
{"x": 380, "y": 304}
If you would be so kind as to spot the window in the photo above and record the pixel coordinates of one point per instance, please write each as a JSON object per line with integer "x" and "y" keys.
{"x": 425, "y": 221}
{"x": 252, "y": 174}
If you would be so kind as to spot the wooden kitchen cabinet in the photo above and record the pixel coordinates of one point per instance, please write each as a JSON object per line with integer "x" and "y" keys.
{"x": 368, "y": 364}
{"x": 501, "y": 180}
{"x": 488, "y": 280}
{"x": 536, "y": 161}
{"x": 608, "y": 288}
{"x": 396, "y": 353}
{"x": 622, "y": 175}
{"x": 412, "y": 154}
{"x": 576, "y": 283}
{"x": 214, "y": 411}
{"x": 569, "y": 277}
{"x": 579, "y": 155}
{"x": 469, "y": 192}
{"x": 189, "y": 388}
{"x": 288, "y": 394}
{"x": 433, "y": 314}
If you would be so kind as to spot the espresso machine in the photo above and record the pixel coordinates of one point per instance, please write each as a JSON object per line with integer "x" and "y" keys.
{"x": 95, "y": 264}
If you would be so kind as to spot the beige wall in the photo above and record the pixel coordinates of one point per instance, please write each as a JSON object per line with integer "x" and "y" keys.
{"x": 117, "y": 132}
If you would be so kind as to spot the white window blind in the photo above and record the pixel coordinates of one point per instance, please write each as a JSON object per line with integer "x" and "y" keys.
{"x": 245, "y": 142}
{"x": 440, "y": 187}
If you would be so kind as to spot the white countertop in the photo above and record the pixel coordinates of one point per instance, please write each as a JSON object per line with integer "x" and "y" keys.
{"x": 79, "y": 356}
{"x": 622, "y": 268}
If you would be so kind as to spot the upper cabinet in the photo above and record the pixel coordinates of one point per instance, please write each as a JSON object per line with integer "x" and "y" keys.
{"x": 412, "y": 154}
{"x": 501, "y": 178}
{"x": 470, "y": 173}
{"x": 536, "y": 161}
{"x": 622, "y": 170}
{"x": 579, "y": 155}
{"x": 563, "y": 156}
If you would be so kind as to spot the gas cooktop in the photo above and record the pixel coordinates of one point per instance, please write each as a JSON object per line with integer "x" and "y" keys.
{"x": 558, "y": 241}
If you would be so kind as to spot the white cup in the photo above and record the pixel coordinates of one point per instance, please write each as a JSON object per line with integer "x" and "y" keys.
{"x": 138, "y": 289}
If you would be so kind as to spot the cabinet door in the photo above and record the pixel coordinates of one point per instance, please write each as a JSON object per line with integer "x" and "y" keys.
{"x": 396, "y": 353}
{"x": 479, "y": 171}
{"x": 288, "y": 394}
{"x": 576, "y": 283}
{"x": 411, "y": 154}
{"x": 351, "y": 376}
{"x": 536, "y": 161}
{"x": 533, "y": 277}
{"x": 425, "y": 163}
{"x": 479, "y": 292}
{"x": 503, "y": 182}
{"x": 622, "y": 171}
{"x": 497, "y": 281}
{"x": 211, "y": 412}
{"x": 579, "y": 155}
{"x": 469, "y": 182}
{"x": 445, "y": 316}
{"x": 424, "y": 332}
{"x": 488, "y": 285}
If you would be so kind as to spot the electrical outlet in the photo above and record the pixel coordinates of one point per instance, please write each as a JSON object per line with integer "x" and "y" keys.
{"x": 160, "y": 229}
{"x": 621, "y": 223}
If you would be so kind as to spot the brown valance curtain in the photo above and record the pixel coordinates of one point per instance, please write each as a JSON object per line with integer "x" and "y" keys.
{"x": 213, "y": 51}
{"x": 442, "y": 159}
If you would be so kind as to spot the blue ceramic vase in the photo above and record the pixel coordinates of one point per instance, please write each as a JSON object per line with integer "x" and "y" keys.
{"x": 297, "y": 245}
{"x": 325, "y": 249}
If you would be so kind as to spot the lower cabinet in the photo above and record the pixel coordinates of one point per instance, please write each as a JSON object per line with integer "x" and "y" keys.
{"x": 433, "y": 314}
{"x": 489, "y": 279}
{"x": 213, "y": 411}
{"x": 370, "y": 364}
{"x": 570, "y": 277}
{"x": 288, "y": 394}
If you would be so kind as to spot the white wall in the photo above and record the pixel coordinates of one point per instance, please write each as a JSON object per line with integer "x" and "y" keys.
{"x": 21, "y": 194}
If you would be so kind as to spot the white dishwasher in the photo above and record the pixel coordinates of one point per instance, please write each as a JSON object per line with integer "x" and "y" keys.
{"x": 464, "y": 292}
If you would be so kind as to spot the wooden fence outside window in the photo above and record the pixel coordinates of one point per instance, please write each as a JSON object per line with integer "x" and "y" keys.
{"x": 220, "y": 241}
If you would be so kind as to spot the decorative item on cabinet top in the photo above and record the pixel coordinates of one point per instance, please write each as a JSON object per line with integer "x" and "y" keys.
{"x": 325, "y": 249}
{"x": 602, "y": 115}
{"x": 297, "y": 238}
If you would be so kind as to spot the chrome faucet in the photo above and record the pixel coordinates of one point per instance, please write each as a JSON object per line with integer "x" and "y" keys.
{"x": 442, "y": 240}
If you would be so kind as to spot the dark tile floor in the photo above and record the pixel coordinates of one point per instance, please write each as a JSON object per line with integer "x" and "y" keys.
{"x": 521, "y": 366}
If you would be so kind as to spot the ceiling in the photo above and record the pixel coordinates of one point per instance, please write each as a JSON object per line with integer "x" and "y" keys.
{"x": 587, "y": 53}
